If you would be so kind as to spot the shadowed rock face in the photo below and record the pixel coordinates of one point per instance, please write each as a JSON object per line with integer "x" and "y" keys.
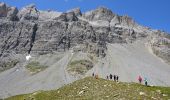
{"x": 3, "y": 10}
{"x": 22, "y": 32}
{"x": 9, "y": 12}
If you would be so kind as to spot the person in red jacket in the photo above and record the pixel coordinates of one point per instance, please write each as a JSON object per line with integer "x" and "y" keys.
{"x": 140, "y": 79}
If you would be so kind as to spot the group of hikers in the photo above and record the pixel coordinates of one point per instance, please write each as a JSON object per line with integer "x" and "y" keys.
{"x": 140, "y": 79}
{"x": 116, "y": 78}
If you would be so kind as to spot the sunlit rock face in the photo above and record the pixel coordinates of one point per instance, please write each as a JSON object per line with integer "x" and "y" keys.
{"x": 31, "y": 31}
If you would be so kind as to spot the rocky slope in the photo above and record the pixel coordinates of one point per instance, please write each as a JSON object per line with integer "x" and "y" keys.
{"x": 108, "y": 42}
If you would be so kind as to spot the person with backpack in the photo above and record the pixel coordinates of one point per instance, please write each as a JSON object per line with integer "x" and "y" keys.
{"x": 146, "y": 81}
{"x": 111, "y": 76}
{"x": 114, "y": 77}
{"x": 96, "y": 76}
{"x": 117, "y": 78}
{"x": 140, "y": 79}
{"x": 107, "y": 77}
{"x": 93, "y": 74}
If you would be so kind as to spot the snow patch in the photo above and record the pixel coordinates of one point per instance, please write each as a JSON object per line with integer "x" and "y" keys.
{"x": 28, "y": 57}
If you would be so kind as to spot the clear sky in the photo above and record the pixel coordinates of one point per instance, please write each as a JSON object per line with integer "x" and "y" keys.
{"x": 151, "y": 13}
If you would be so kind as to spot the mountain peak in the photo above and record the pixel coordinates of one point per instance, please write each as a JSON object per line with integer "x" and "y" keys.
{"x": 76, "y": 11}
{"x": 100, "y": 13}
{"x": 29, "y": 12}
{"x": 103, "y": 9}
{"x": 8, "y": 12}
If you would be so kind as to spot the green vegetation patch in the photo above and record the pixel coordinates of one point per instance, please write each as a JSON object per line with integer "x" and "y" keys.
{"x": 35, "y": 67}
{"x": 99, "y": 89}
{"x": 7, "y": 65}
{"x": 79, "y": 66}
{"x": 167, "y": 44}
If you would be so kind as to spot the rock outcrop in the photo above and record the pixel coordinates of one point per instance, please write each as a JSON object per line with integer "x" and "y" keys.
{"x": 100, "y": 13}
{"x": 160, "y": 45}
{"x": 3, "y": 10}
{"x": 76, "y": 11}
{"x": 8, "y": 12}
{"x": 29, "y": 12}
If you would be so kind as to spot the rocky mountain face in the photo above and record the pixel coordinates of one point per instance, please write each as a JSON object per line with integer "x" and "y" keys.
{"x": 31, "y": 31}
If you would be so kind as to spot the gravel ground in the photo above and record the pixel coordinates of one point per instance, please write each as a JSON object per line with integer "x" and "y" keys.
{"x": 128, "y": 61}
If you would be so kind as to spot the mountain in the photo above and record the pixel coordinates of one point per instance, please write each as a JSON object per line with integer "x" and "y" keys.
{"x": 43, "y": 50}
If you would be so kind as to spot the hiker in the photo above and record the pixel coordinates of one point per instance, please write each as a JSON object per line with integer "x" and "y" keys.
{"x": 117, "y": 78}
{"x": 107, "y": 77}
{"x": 140, "y": 79}
{"x": 93, "y": 74}
{"x": 96, "y": 76}
{"x": 111, "y": 76}
{"x": 146, "y": 82}
{"x": 114, "y": 77}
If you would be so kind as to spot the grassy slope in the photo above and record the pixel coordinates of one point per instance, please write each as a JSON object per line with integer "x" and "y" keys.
{"x": 99, "y": 89}
{"x": 35, "y": 67}
{"x": 79, "y": 66}
{"x": 8, "y": 65}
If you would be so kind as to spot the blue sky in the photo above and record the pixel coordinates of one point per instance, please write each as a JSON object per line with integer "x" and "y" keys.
{"x": 151, "y": 13}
